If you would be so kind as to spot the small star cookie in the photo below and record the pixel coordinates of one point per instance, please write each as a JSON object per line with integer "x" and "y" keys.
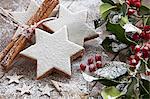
{"x": 14, "y": 78}
{"x": 46, "y": 90}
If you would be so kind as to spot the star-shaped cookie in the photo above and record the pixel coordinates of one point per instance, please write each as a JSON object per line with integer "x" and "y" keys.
{"x": 46, "y": 90}
{"x": 78, "y": 30}
{"x": 52, "y": 51}
{"x": 14, "y": 79}
{"x": 66, "y": 17}
{"x": 23, "y": 17}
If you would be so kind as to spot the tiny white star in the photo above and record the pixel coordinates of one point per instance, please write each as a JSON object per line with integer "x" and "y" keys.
{"x": 14, "y": 79}
{"x": 46, "y": 90}
{"x": 25, "y": 89}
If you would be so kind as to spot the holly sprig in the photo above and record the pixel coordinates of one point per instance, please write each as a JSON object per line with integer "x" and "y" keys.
{"x": 128, "y": 22}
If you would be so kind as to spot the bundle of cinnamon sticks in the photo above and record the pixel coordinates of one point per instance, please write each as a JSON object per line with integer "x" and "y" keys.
{"x": 18, "y": 43}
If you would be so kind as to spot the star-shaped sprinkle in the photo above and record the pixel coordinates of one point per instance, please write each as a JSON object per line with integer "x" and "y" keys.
{"x": 25, "y": 89}
{"x": 46, "y": 90}
{"x": 14, "y": 79}
{"x": 53, "y": 52}
{"x": 77, "y": 28}
{"x": 23, "y": 17}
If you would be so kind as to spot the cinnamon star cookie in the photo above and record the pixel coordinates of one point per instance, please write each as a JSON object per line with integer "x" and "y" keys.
{"x": 52, "y": 52}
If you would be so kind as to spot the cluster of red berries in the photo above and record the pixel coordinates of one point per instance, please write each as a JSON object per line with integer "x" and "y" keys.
{"x": 134, "y": 3}
{"x": 139, "y": 52}
{"x": 93, "y": 63}
{"x": 145, "y": 35}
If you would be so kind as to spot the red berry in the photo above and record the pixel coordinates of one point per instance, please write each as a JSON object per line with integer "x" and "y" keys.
{"x": 145, "y": 49}
{"x": 98, "y": 57}
{"x": 145, "y": 54}
{"x": 147, "y": 73}
{"x": 137, "y": 48}
{"x": 130, "y": 12}
{"x": 98, "y": 64}
{"x": 146, "y": 28}
{"x": 82, "y": 67}
{"x": 132, "y": 47}
{"x": 90, "y": 60}
{"x": 138, "y": 4}
{"x": 136, "y": 37}
{"x": 92, "y": 68}
{"x": 143, "y": 35}
{"x": 147, "y": 36}
{"x": 137, "y": 56}
{"x": 128, "y": 2}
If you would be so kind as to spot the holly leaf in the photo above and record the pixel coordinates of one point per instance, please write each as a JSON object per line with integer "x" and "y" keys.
{"x": 108, "y": 82}
{"x": 124, "y": 9}
{"x": 119, "y": 32}
{"x": 148, "y": 21}
{"x": 105, "y": 9}
{"x": 131, "y": 88}
{"x": 107, "y": 44}
{"x": 142, "y": 67}
{"x": 112, "y": 70}
{"x": 144, "y": 87}
{"x": 144, "y": 10}
{"x": 108, "y": 1}
{"x": 88, "y": 77}
{"x": 110, "y": 93}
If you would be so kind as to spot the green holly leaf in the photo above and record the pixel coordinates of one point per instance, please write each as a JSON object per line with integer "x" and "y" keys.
{"x": 107, "y": 44}
{"x": 144, "y": 87}
{"x": 147, "y": 21}
{"x": 105, "y": 9}
{"x": 142, "y": 67}
{"x": 144, "y": 10}
{"x": 108, "y": 1}
{"x": 108, "y": 82}
{"x": 111, "y": 93}
{"x": 124, "y": 9}
{"x": 130, "y": 94}
{"x": 119, "y": 32}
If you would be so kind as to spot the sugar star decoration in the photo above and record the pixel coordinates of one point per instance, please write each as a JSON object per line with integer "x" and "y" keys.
{"x": 46, "y": 90}
{"x": 14, "y": 79}
{"x": 25, "y": 89}
{"x": 23, "y": 17}
{"x": 78, "y": 30}
{"x": 52, "y": 51}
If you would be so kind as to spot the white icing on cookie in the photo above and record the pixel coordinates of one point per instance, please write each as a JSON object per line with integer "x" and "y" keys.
{"x": 77, "y": 28}
{"x": 52, "y": 51}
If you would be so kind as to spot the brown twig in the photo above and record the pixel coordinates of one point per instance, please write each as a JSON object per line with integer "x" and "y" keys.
{"x": 18, "y": 44}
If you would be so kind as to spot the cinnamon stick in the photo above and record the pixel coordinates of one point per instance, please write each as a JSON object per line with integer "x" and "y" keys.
{"x": 18, "y": 44}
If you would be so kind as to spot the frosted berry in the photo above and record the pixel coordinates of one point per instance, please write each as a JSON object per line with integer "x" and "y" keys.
{"x": 137, "y": 48}
{"x": 97, "y": 57}
{"x": 90, "y": 60}
{"x": 92, "y": 68}
{"x": 99, "y": 64}
{"x": 136, "y": 37}
{"x": 138, "y": 4}
{"x": 82, "y": 67}
{"x": 131, "y": 11}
